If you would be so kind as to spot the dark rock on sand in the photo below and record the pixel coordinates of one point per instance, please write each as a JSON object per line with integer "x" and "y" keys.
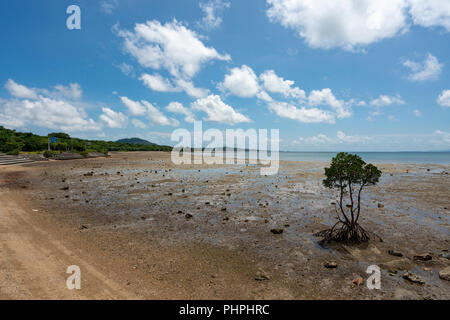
{"x": 395, "y": 253}
{"x": 330, "y": 265}
{"x": 413, "y": 278}
{"x": 276, "y": 231}
{"x": 423, "y": 257}
{"x": 444, "y": 274}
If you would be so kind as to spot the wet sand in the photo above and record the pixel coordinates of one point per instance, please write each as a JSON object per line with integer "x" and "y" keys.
{"x": 140, "y": 227}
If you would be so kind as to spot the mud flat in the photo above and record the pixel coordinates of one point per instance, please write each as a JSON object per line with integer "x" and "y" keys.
{"x": 140, "y": 227}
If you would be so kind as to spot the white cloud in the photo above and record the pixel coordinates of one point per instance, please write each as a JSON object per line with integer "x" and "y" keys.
{"x": 444, "y": 98}
{"x": 138, "y": 124}
{"x": 20, "y": 91}
{"x": 429, "y": 69}
{"x": 171, "y": 46}
{"x": 326, "y": 97}
{"x": 340, "y": 138}
{"x": 306, "y": 115}
{"x": 445, "y": 136}
{"x": 157, "y": 83}
{"x": 348, "y": 24}
{"x": 178, "y": 108}
{"x": 431, "y": 13}
{"x": 274, "y": 83}
{"x": 113, "y": 119}
{"x": 386, "y": 100}
{"x": 218, "y": 111}
{"x": 126, "y": 69}
{"x": 417, "y": 112}
{"x": 72, "y": 91}
{"x": 135, "y": 108}
{"x": 108, "y": 6}
{"x": 241, "y": 82}
{"x": 43, "y": 110}
{"x": 212, "y": 11}
{"x": 155, "y": 116}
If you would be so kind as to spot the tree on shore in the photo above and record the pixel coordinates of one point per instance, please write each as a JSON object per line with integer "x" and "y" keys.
{"x": 349, "y": 174}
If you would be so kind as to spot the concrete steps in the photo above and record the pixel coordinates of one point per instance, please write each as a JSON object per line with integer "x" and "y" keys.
{"x": 9, "y": 160}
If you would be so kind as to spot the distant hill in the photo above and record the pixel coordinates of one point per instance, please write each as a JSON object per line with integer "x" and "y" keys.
{"x": 136, "y": 141}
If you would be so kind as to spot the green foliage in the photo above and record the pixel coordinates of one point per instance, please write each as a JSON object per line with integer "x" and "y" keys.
{"x": 13, "y": 153}
{"x": 347, "y": 169}
{"x": 48, "y": 154}
{"x": 11, "y": 140}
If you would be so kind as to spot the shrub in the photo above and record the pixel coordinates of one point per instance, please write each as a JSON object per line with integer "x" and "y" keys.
{"x": 13, "y": 152}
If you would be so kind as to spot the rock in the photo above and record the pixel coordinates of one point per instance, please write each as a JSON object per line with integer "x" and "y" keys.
{"x": 330, "y": 265}
{"x": 224, "y": 209}
{"x": 276, "y": 231}
{"x": 423, "y": 257}
{"x": 395, "y": 253}
{"x": 446, "y": 255}
{"x": 188, "y": 216}
{"x": 398, "y": 264}
{"x": 65, "y": 188}
{"x": 413, "y": 278}
{"x": 83, "y": 227}
{"x": 380, "y": 205}
{"x": 261, "y": 276}
{"x": 358, "y": 281}
{"x": 444, "y": 274}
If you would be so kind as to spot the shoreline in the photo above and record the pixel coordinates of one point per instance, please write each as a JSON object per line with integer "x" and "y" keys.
{"x": 130, "y": 217}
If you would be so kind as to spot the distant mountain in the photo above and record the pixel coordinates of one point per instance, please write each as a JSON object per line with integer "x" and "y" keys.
{"x": 136, "y": 141}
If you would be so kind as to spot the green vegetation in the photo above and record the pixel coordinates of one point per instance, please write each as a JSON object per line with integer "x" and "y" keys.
{"x": 136, "y": 141}
{"x": 13, "y": 141}
{"x": 349, "y": 174}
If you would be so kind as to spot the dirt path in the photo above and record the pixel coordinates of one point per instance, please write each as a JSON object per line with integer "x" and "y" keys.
{"x": 34, "y": 259}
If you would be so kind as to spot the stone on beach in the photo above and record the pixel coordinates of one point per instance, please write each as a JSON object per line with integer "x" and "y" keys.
{"x": 444, "y": 274}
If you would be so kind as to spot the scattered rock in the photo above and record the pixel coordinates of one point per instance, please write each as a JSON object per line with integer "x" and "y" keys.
{"x": 261, "y": 276}
{"x": 444, "y": 274}
{"x": 423, "y": 257}
{"x": 395, "y": 253}
{"x": 330, "y": 265}
{"x": 224, "y": 209}
{"x": 65, "y": 188}
{"x": 413, "y": 278}
{"x": 83, "y": 227}
{"x": 358, "y": 281}
{"x": 188, "y": 216}
{"x": 380, "y": 205}
{"x": 276, "y": 231}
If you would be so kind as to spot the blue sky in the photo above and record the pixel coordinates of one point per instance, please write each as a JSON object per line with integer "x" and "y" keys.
{"x": 370, "y": 75}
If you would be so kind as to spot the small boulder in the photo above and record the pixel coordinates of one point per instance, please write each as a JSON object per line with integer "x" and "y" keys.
{"x": 380, "y": 205}
{"x": 444, "y": 274}
{"x": 276, "y": 231}
{"x": 395, "y": 253}
{"x": 261, "y": 276}
{"x": 188, "y": 216}
{"x": 330, "y": 265}
{"x": 413, "y": 278}
{"x": 423, "y": 257}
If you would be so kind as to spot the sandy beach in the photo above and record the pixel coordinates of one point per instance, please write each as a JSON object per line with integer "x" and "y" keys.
{"x": 140, "y": 227}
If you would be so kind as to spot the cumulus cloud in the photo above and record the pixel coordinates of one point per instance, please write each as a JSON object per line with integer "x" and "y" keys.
{"x": 306, "y": 115}
{"x": 431, "y": 13}
{"x": 138, "y": 124}
{"x": 326, "y": 97}
{"x": 444, "y": 98}
{"x": 218, "y": 111}
{"x": 386, "y": 100}
{"x": 417, "y": 113}
{"x": 430, "y": 68}
{"x": 276, "y": 84}
{"x": 348, "y": 24}
{"x": 134, "y": 107}
{"x": 155, "y": 116}
{"x": 353, "y": 24}
{"x": 241, "y": 82}
{"x": 113, "y": 119}
{"x": 27, "y": 107}
{"x": 171, "y": 46}
{"x": 157, "y": 83}
{"x": 212, "y": 13}
{"x": 72, "y": 91}
{"x": 20, "y": 91}
{"x": 178, "y": 108}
